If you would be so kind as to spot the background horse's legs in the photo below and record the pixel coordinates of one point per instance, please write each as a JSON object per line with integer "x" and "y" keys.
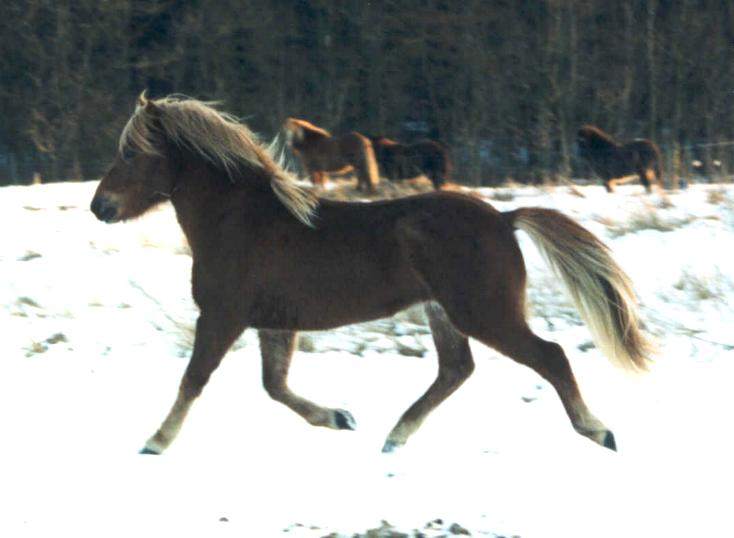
{"x": 626, "y": 179}
{"x": 317, "y": 177}
{"x": 214, "y": 336}
{"x": 649, "y": 177}
{"x": 518, "y": 342}
{"x": 455, "y": 365}
{"x": 277, "y": 349}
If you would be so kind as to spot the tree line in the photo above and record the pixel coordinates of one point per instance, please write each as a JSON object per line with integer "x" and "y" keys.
{"x": 504, "y": 84}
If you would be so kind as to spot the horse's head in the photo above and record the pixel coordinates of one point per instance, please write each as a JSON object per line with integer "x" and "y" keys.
{"x": 299, "y": 132}
{"x": 294, "y": 132}
{"x": 142, "y": 174}
{"x": 383, "y": 141}
{"x": 590, "y": 138}
{"x": 170, "y": 140}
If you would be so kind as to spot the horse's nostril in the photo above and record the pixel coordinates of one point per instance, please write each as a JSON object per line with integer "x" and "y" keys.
{"x": 104, "y": 209}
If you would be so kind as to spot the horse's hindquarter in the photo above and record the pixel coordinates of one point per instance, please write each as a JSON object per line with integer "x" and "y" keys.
{"x": 369, "y": 261}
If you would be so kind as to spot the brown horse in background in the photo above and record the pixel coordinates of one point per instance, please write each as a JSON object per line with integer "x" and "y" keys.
{"x": 404, "y": 161}
{"x": 618, "y": 163}
{"x": 322, "y": 153}
{"x": 269, "y": 255}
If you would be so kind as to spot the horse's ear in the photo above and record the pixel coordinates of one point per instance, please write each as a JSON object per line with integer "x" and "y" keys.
{"x": 142, "y": 100}
{"x": 294, "y": 130}
{"x": 152, "y": 109}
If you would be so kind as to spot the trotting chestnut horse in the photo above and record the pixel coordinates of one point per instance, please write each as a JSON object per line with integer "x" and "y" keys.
{"x": 321, "y": 153}
{"x": 271, "y": 256}
{"x": 616, "y": 162}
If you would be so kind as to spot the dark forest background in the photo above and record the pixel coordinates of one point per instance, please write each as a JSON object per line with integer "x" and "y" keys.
{"x": 505, "y": 84}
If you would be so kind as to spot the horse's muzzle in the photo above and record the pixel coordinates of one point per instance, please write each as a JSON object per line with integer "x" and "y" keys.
{"x": 105, "y": 209}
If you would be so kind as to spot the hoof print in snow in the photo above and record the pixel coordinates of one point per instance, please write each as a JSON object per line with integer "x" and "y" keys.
{"x": 28, "y": 256}
{"x": 57, "y": 338}
{"x": 586, "y": 346}
{"x": 458, "y": 530}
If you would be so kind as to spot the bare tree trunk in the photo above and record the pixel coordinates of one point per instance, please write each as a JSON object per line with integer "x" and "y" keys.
{"x": 629, "y": 68}
{"x": 650, "y": 38}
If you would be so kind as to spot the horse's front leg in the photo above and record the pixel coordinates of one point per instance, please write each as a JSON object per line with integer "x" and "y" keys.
{"x": 214, "y": 336}
{"x": 318, "y": 178}
{"x": 277, "y": 349}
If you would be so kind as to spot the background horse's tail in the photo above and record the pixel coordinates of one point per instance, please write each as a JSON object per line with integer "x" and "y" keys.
{"x": 434, "y": 162}
{"x": 600, "y": 289}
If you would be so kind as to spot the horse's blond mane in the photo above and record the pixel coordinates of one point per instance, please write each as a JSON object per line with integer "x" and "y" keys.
{"x": 217, "y": 137}
{"x": 303, "y": 124}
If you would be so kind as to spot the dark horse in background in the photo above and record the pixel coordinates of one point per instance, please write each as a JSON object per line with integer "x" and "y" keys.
{"x": 617, "y": 163}
{"x": 404, "y": 161}
{"x": 321, "y": 153}
{"x": 270, "y": 255}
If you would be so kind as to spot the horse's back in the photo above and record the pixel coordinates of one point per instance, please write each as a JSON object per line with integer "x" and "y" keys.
{"x": 439, "y": 228}
{"x": 364, "y": 261}
{"x": 645, "y": 148}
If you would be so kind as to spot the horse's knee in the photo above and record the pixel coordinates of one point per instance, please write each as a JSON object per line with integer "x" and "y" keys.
{"x": 276, "y": 391}
{"x": 193, "y": 384}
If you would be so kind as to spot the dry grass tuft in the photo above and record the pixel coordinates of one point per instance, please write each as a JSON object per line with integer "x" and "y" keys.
{"x": 502, "y": 195}
{"x": 704, "y": 288}
{"x": 647, "y": 218}
{"x": 716, "y": 196}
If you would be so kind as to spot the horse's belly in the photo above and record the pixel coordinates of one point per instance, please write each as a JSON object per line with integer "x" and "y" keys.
{"x": 314, "y": 310}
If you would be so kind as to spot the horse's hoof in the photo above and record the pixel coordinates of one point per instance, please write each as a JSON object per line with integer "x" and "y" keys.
{"x": 390, "y": 446}
{"x": 344, "y": 420}
{"x": 609, "y": 441}
{"x": 146, "y": 450}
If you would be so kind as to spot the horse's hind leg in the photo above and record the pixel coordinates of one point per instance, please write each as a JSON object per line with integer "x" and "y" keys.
{"x": 276, "y": 348}
{"x": 518, "y": 342}
{"x": 646, "y": 175}
{"x": 455, "y": 365}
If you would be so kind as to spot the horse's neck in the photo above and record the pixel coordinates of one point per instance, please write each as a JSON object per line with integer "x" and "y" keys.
{"x": 204, "y": 200}
{"x": 311, "y": 137}
{"x": 604, "y": 141}
{"x": 200, "y": 199}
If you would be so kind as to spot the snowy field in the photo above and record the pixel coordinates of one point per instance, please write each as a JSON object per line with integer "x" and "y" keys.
{"x": 96, "y": 325}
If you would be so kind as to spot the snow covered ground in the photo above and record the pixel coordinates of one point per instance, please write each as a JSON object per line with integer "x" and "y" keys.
{"x": 95, "y": 329}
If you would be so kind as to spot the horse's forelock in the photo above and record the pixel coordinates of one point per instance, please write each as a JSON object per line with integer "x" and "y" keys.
{"x": 138, "y": 132}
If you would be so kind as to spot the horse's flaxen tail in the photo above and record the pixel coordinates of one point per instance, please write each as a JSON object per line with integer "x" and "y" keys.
{"x": 600, "y": 289}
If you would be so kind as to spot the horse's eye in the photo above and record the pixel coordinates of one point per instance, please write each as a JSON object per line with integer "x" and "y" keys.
{"x": 128, "y": 153}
